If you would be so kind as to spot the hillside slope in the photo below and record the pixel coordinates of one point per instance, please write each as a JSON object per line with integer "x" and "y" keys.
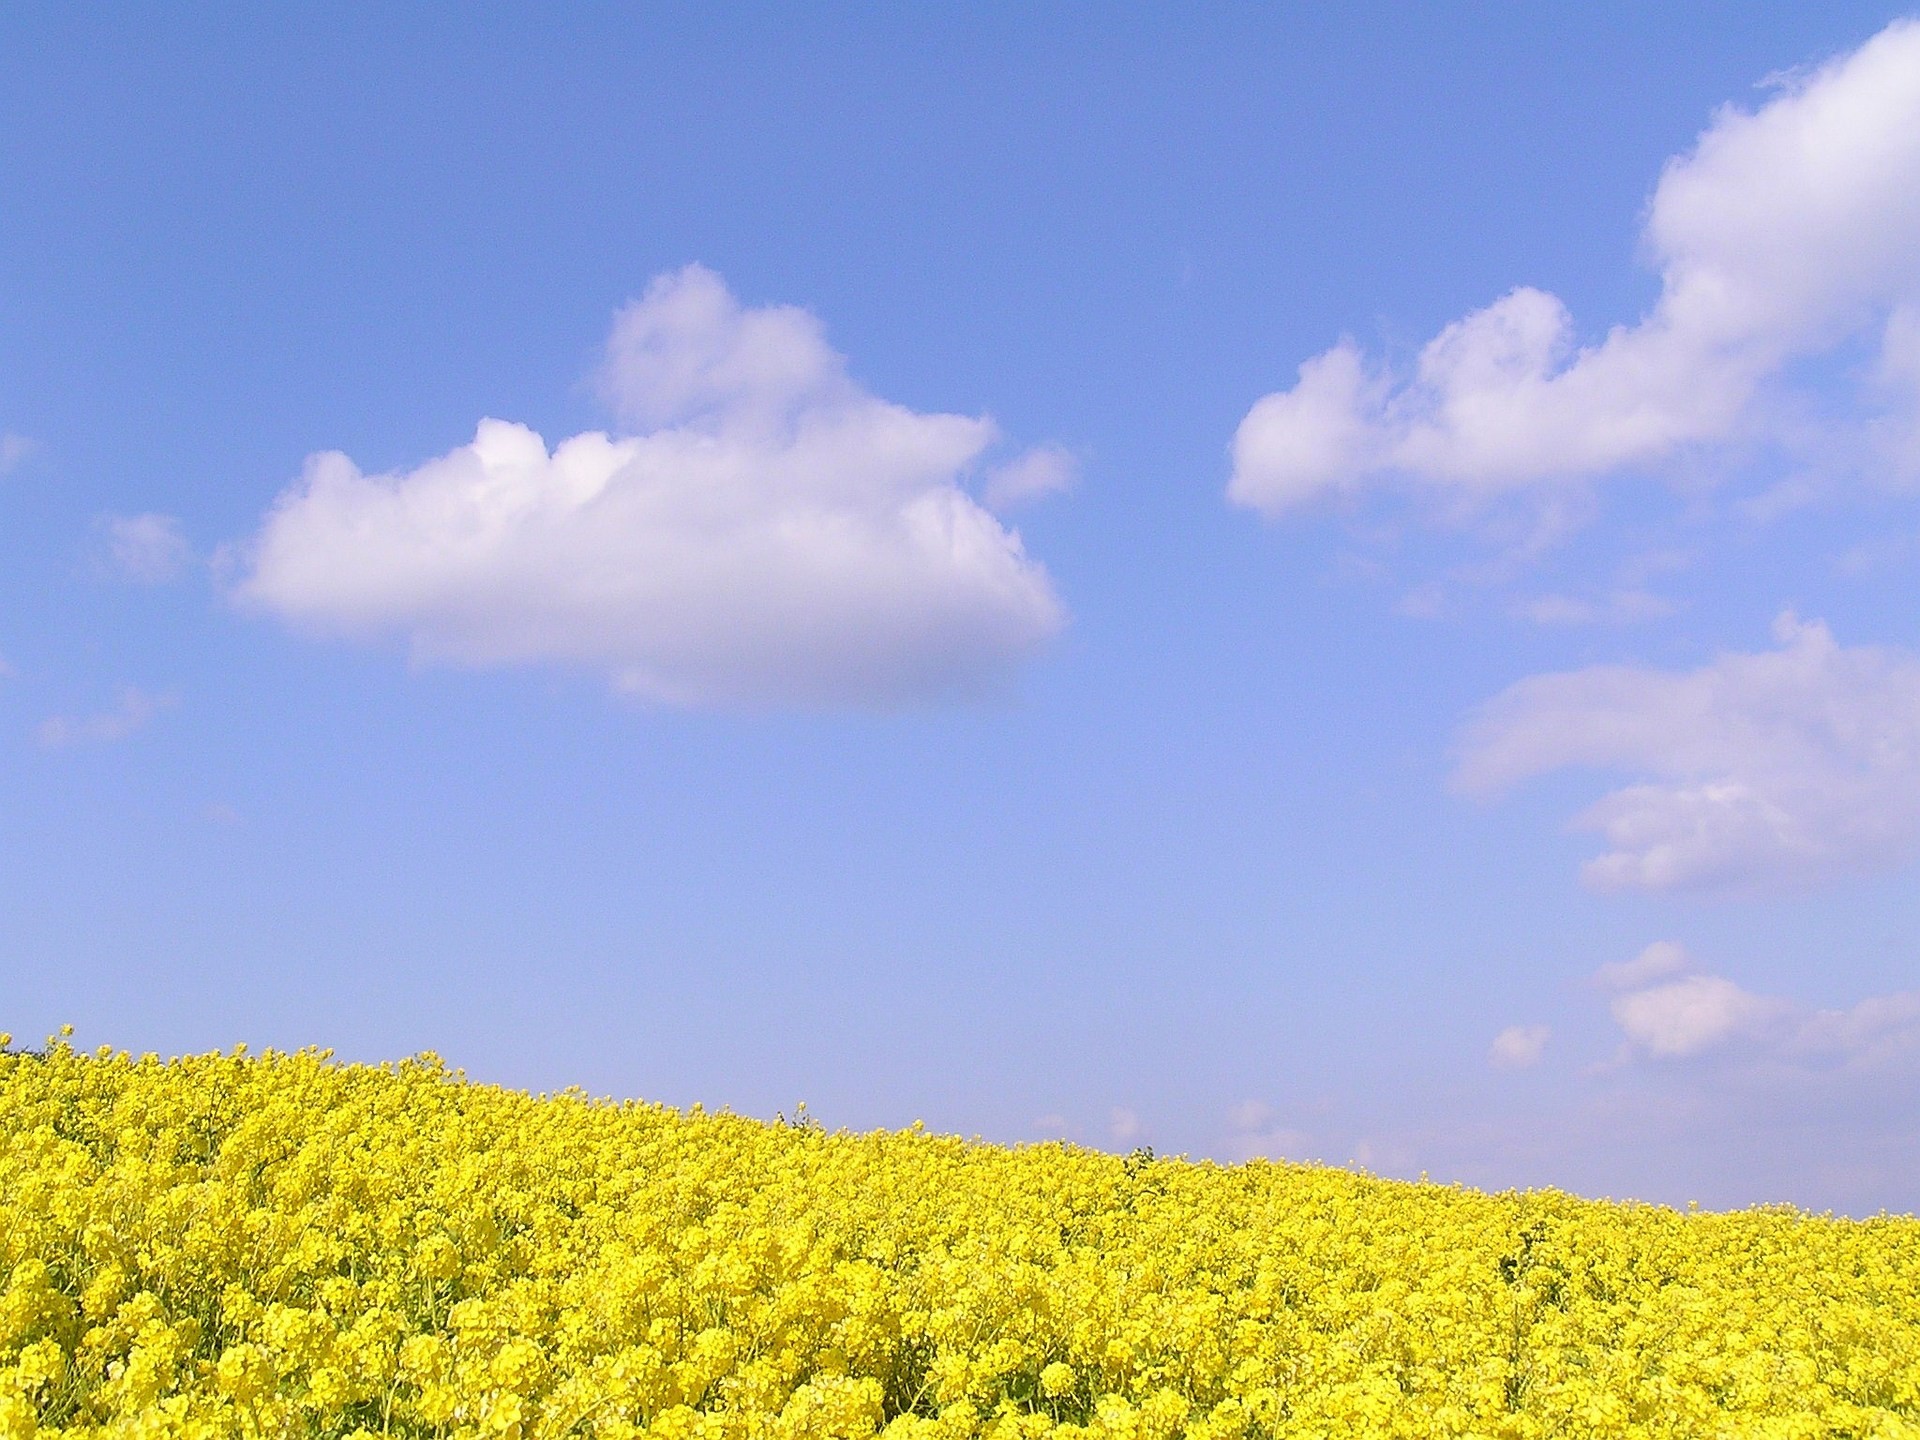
{"x": 226, "y": 1245}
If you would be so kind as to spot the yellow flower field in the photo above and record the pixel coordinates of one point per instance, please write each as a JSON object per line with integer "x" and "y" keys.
{"x": 282, "y": 1245}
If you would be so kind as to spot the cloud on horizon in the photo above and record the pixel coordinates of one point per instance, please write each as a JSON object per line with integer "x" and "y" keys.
{"x": 1785, "y": 232}
{"x": 1788, "y": 766}
{"x": 769, "y": 534}
{"x": 1668, "y": 1009}
{"x": 1257, "y": 1131}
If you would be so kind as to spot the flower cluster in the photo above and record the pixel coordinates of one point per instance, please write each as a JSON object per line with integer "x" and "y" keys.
{"x": 282, "y": 1245}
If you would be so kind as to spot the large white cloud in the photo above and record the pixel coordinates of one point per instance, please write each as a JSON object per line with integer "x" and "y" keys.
{"x": 771, "y": 534}
{"x": 1785, "y": 231}
{"x": 1777, "y": 767}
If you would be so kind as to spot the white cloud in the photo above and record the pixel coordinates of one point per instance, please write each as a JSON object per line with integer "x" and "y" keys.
{"x": 1873, "y": 1031}
{"x": 1518, "y": 1046}
{"x": 1621, "y": 607}
{"x": 1897, "y": 433}
{"x": 143, "y": 549}
{"x": 1296, "y": 445}
{"x": 1658, "y": 961}
{"x": 1883, "y": 552}
{"x": 1784, "y": 232}
{"x": 135, "y": 708}
{"x": 1782, "y": 767}
{"x": 1629, "y": 600}
{"x": 1250, "y": 1115}
{"x": 1033, "y": 475}
{"x": 1124, "y": 1125}
{"x": 13, "y": 449}
{"x": 1673, "y": 1018}
{"x": 1255, "y": 1132}
{"x": 1695, "y": 1013}
{"x": 776, "y": 535}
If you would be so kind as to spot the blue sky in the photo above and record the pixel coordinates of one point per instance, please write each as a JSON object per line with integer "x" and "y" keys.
{"x": 980, "y": 675}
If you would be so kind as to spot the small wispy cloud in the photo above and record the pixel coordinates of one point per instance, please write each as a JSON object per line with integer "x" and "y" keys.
{"x": 1042, "y": 471}
{"x": 135, "y": 709}
{"x": 13, "y": 449}
{"x": 143, "y": 549}
{"x": 1879, "y": 554}
{"x": 1661, "y": 959}
{"x": 1786, "y": 766}
{"x": 1518, "y": 1047}
{"x": 1257, "y": 1131}
{"x": 1621, "y": 607}
{"x": 1053, "y": 1126}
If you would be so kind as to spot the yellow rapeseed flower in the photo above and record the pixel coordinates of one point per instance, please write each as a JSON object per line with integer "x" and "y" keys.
{"x": 250, "y": 1246}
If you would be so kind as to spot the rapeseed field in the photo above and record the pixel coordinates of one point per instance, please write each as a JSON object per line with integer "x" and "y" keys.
{"x": 227, "y": 1245}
